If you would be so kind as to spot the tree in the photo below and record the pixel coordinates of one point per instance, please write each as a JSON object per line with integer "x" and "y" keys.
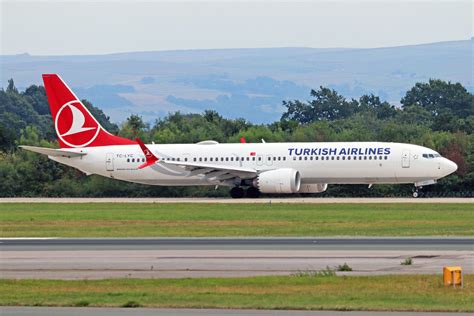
{"x": 440, "y": 97}
{"x": 327, "y": 105}
{"x": 11, "y": 87}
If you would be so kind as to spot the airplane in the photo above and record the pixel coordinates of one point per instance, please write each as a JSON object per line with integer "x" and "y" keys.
{"x": 247, "y": 168}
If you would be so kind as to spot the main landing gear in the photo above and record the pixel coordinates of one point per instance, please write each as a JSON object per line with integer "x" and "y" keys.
{"x": 238, "y": 192}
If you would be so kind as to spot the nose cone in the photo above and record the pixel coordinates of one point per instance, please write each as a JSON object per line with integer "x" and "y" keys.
{"x": 448, "y": 166}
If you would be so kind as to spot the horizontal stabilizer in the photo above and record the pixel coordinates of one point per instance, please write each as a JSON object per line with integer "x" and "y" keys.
{"x": 53, "y": 152}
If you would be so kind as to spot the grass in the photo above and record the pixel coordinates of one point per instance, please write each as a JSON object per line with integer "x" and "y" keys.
{"x": 392, "y": 293}
{"x": 201, "y": 220}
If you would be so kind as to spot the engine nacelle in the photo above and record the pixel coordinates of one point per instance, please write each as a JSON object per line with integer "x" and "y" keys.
{"x": 284, "y": 180}
{"x": 313, "y": 188}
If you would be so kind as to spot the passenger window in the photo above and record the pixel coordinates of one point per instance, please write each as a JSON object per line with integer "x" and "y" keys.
{"x": 210, "y": 159}
{"x": 360, "y": 157}
{"x": 259, "y": 158}
{"x": 316, "y": 158}
{"x": 248, "y": 158}
{"x": 301, "y": 158}
{"x": 185, "y": 159}
{"x": 343, "y": 157}
{"x": 337, "y": 157}
{"x": 253, "y": 158}
{"x": 194, "y": 159}
{"x": 348, "y": 157}
{"x": 128, "y": 159}
{"x": 332, "y": 158}
{"x": 279, "y": 158}
{"x": 370, "y": 157}
{"x": 200, "y": 158}
{"x": 380, "y": 157}
{"x": 294, "y": 158}
{"x": 365, "y": 157}
{"x": 386, "y": 157}
{"x": 226, "y": 158}
{"x": 305, "y": 158}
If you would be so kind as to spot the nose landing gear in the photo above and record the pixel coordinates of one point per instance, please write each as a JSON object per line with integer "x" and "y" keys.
{"x": 415, "y": 192}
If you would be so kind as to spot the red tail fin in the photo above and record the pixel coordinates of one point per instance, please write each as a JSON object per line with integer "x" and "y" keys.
{"x": 75, "y": 126}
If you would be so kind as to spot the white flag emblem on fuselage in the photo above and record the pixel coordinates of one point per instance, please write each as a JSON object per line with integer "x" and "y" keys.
{"x": 78, "y": 121}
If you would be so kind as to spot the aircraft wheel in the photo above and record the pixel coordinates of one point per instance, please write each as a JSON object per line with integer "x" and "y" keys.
{"x": 415, "y": 194}
{"x": 253, "y": 193}
{"x": 237, "y": 192}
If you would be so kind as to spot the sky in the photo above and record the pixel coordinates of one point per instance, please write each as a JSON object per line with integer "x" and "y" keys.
{"x": 99, "y": 27}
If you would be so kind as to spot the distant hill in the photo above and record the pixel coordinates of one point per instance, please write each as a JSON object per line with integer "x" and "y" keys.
{"x": 249, "y": 83}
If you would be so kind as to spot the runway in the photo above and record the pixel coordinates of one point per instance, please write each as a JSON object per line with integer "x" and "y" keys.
{"x": 226, "y": 257}
{"x": 304, "y": 200}
{"x": 374, "y": 243}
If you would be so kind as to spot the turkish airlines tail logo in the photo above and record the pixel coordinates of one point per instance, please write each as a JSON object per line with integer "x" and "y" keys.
{"x": 78, "y": 120}
{"x": 74, "y": 124}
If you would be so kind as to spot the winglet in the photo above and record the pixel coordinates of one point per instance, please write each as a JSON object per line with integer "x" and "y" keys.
{"x": 150, "y": 158}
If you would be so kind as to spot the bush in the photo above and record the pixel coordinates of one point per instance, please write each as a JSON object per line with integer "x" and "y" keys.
{"x": 344, "y": 267}
{"x": 407, "y": 262}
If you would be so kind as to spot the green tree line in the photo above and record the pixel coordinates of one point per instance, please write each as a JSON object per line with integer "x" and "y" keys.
{"x": 435, "y": 114}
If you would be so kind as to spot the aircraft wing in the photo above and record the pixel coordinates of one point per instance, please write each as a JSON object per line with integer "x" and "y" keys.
{"x": 53, "y": 152}
{"x": 213, "y": 171}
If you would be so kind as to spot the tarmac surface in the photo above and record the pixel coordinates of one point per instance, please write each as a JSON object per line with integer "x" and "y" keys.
{"x": 74, "y": 311}
{"x": 226, "y": 257}
{"x": 309, "y": 200}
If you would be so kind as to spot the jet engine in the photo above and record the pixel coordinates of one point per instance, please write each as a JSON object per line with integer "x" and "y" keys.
{"x": 313, "y": 188}
{"x": 284, "y": 180}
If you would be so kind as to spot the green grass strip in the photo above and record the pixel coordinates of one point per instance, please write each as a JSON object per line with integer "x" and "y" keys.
{"x": 203, "y": 220}
{"x": 389, "y": 293}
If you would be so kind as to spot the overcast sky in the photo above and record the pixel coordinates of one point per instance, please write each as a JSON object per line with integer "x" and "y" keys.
{"x": 91, "y": 27}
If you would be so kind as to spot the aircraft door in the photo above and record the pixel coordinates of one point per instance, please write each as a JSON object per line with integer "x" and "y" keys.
{"x": 406, "y": 159}
{"x": 109, "y": 162}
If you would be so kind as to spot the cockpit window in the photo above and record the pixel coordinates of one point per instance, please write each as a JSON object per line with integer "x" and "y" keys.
{"x": 429, "y": 156}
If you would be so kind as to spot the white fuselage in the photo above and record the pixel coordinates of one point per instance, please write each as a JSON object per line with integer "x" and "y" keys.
{"x": 317, "y": 163}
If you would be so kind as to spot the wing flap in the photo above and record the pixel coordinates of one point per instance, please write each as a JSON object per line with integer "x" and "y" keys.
{"x": 198, "y": 168}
